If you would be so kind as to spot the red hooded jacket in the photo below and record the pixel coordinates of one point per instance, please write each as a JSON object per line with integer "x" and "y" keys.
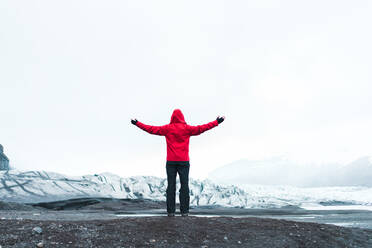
{"x": 177, "y": 134}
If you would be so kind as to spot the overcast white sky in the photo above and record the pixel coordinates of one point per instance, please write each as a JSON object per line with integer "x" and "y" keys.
{"x": 293, "y": 78}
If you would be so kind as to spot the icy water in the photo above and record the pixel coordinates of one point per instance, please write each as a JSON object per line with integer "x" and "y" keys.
{"x": 342, "y": 215}
{"x": 347, "y": 216}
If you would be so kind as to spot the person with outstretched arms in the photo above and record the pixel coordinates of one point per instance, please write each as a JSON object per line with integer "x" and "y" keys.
{"x": 177, "y": 134}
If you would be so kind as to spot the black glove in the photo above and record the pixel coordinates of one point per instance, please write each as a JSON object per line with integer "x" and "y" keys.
{"x": 220, "y": 119}
{"x": 134, "y": 122}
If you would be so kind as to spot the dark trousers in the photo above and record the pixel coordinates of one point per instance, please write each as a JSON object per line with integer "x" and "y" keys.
{"x": 183, "y": 172}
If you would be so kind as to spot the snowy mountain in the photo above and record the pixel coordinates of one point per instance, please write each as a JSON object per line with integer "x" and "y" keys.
{"x": 359, "y": 172}
{"x": 281, "y": 171}
{"x": 42, "y": 186}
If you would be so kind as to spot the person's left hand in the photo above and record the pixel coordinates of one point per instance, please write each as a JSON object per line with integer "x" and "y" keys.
{"x": 220, "y": 119}
{"x": 134, "y": 121}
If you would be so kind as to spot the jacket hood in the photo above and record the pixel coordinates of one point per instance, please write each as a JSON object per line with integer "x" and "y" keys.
{"x": 177, "y": 117}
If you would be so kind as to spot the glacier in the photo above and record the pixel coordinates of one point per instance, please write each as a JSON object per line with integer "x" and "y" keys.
{"x": 43, "y": 186}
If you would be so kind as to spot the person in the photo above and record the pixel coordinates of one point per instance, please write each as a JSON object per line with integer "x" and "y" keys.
{"x": 177, "y": 134}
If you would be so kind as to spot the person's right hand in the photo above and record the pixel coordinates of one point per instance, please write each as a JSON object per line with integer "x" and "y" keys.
{"x": 134, "y": 121}
{"x": 220, "y": 119}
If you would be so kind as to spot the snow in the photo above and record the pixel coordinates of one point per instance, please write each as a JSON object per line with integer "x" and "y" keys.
{"x": 41, "y": 186}
{"x": 346, "y": 207}
{"x": 319, "y": 197}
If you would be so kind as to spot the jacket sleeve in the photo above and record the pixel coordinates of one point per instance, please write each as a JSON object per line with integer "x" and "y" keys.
{"x": 196, "y": 130}
{"x": 157, "y": 130}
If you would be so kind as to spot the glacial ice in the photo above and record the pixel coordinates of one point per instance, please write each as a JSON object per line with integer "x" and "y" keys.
{"x": 42, "y": 186}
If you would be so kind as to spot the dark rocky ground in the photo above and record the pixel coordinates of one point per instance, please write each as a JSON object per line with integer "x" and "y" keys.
{"x": 180, "y": 232}
{"x": 96, "y": 224}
